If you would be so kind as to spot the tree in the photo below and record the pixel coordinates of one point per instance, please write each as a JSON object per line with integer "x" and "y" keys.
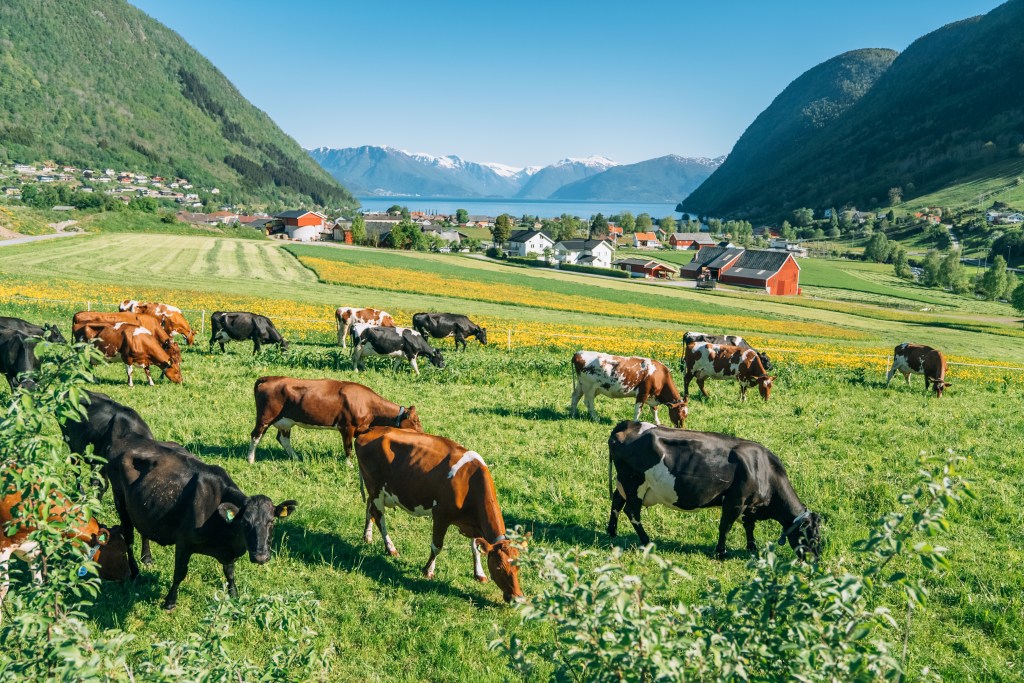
{"x": 994, "y": 282}
{"x": 396, "y": 209}
{"x": 407, "y": 235}
{"x": 1017, "y": 298}
{"x": 930, "y": 269}
{"x": 833, "y": 232}
{"x": 895, "y": 196}
{"x": 358, "y": 230}
{"x": 598, "y": 225}
{"x": 878, "y": 248}
{"x": 567, "y": 227}
{"x": 953, "y": 275}
{"x": 787, "y": 231}
{"x": 833, "y": 220}
{"x": 668, "y": 224}
{"x": 627, "y": 222}
{"x": 803, "y": 217}
{"x": 901, "y": 264}
{"x": 502, "y": 229}
{"x": 644, "y": 223}
{"x": 461, "y": 216}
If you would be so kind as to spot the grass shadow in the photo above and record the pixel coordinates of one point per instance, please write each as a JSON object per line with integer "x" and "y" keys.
{"x": 532, "y": 413}
{"x": 597, "y": 537}
{"x": 116, "y": 600}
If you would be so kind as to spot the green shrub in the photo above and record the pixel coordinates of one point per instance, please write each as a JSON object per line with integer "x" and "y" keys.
{"x": 528, "y": 262}
{"x": 609, "y": 272}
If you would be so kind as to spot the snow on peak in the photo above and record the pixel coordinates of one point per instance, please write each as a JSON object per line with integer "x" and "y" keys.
{"x": 504, "y": 170}
{"x": 592, "y": 162}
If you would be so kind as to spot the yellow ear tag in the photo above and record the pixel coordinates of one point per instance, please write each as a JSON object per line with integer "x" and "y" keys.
{"x": 284, "y": 512}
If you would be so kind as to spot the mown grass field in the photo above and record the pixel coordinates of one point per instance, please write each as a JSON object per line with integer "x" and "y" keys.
{"x": 849, "y": 444}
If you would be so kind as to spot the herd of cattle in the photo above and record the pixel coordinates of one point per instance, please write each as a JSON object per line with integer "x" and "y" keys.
{"x": 172, "y": 497}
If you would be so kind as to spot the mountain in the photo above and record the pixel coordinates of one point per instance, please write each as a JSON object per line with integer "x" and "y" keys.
{"x": 664, "y": 179}
{"x": 548, "y": 180}
{"x": 948, "y": 108}
{"x": 98, "y": 83}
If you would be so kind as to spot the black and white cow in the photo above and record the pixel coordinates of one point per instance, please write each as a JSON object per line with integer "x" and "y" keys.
{"x": 398, "y": 342}
{"x": 726, "y": 340}
{"x": 50, "y": 333}
{"x": 240, "y": 326}
{"x": 688, "y": 470}
{"x": 17, "y": 358}
{"x": 444, "y": 325}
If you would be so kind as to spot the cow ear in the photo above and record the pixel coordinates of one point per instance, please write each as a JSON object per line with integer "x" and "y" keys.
{"x": 483, "y": 545}
{"x": 411, "y": 411}
{"x": 286, "y": 508}
{"x": 227, "y": 511}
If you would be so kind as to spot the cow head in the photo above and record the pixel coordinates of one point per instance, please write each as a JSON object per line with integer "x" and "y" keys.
{"x": 435, "y": 358}
{"x": 411, "y": 420}
{"x": 255, "y": 521}
{"x": 501, "y": 564}
{"x": 677, "y": 412}
{"x": 764, "y": 386}
{"x": 111, "y": 554}
{"x": 190, "y": 335}
{"x": 805, "y": 536}
{"x": 481, "y": 334}
{"x": 284, "y": 344}
{"x": 173, "y": 350}
{"x": 173, "y": 370}
{"x": 51, "y": 333}
{"x": 128, "y": 305}
{"x": 766, "y": 362}
{"x": 938, "y": 385}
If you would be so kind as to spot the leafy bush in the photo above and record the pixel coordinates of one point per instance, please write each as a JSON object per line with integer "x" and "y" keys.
{"x": 608, "y": 272}
{"x": 790, "y": 621}
{"x": 528, "y": 262}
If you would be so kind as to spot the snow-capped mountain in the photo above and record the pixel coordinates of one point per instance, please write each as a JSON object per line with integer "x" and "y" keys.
{"x": 384, "y": 171}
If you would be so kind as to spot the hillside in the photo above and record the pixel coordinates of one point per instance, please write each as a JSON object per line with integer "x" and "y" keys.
{"x": 548, "y": 180}
{"x": 97, "y": 83}
{"x": 664, "y": 179}
{"x": 948, "y": 109}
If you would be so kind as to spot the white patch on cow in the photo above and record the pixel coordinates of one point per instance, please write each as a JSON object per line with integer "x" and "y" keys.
{"x": 223, "y": 335}
{"x": 117, "y": 326}
{"x": 166, "y": 309}
{"x": 659, "y": 487}
{"x": 467, "y": 457}
{"x": 645, "y": 427}
{"x": 388, "y": 500}
{"x": 141, "y": 330}
{"x": 286, "y": 424}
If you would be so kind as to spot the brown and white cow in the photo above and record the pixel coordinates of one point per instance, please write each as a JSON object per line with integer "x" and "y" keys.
{"x": 646, "y": 380}
{"x": 915, "y": 359}
{"x": 136, "y": 345}
{"x": 105, "y": 546}
{"x": 351, "y": 408}
{"x": 162, "y": 328}
{"x": 705, "y": 361}
{"x": 429, "y": 475}
{"x": 346, "y": 317}
{"x": 172, "y": 317}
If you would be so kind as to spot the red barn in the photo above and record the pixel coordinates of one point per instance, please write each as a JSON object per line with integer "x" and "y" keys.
{"x": 690, "y": 240}
{"x": 774, "y": 272}
{"x": 301, "y": 219}
{"x": 649, "y": 268}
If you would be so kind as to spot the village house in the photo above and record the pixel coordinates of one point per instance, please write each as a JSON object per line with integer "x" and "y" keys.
{"x": 614, "y": 231}
{"x": 774, "y": 272}
{"x": 527, "y": 242}
{"x": 646, "y": 240}
{"x": 646, "y": 268}
{"x": 595, "y": 253}
{"x": 303, "y": 226}
{"x": 12, "y": 191}
{"x": 690, "y": 240}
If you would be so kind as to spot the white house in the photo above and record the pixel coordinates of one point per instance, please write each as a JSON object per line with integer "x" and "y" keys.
{"x": 1014, "y": 218}
{"x": 596, "y": 253}
{"x": 526, "y": 242}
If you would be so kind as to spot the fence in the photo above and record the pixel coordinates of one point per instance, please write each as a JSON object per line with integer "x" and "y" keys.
{"x": 509, "y": 334}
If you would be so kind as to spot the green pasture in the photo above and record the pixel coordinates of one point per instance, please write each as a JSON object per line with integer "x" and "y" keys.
{"x": 850, "y": 446}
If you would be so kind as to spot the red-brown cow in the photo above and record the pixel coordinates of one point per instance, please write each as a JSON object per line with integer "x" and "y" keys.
{"x": 351, "y": 408}
{"x": 646, "y": 380}
{"x": 160, "y": 327}
{"x": 430, "y": 475}
{"x": 106, "y": 547}
{"x": 716, "y": 361}
{"x": 915, "y": 359}
{"x": 172, "y": 317}
{"x": 346, "y": 317}
{"x": 136, "y": 346}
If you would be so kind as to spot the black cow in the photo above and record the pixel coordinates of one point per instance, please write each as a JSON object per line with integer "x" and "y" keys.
{"x": 444, "y": 325}
{"x": 726, "y": 340}
{"x": 96, "y": 430}
{"x": 176, "y": 499}
{"x": 397, "y": 342}
{"x": 241, "y": 326}
{"x": 689, "y": 470}
{"x": 17, "y": 358}
{"x": 50, "y": 333}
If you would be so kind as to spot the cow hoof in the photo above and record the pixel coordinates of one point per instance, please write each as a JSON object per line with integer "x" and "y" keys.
{"x": 751, "y": 548}
{"x": 720, "y": 555}
{"x": 393, "y": 553}
{"x": 147, "y": 560}
{"x": 481, "y": 579}
{"x": 169, "y": 606}
{"x": 612, "y": 533}
{"x": 428, "y": 575}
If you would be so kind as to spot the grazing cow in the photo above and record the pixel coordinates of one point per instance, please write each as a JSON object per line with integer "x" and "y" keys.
{"x": 176, "y": 499}
{"x": 48, "y": 332}
{"x": 398, "y": 342}
{"x": 429, "y": 475}
{"x": 17, "y": 358}
{"x": 915, "y": 359}
{"x": 171, "y": 316}
{"x": 346, "y": 317}
{"x": 241, "y": 326}
{"x": 136, "y": 345}
{"x": 726, "y": 340}
{"x": 703, "y": 361}
{"x": 105, "y": 546}
{"x": 688, "y": 470}
{"x": 159, "y": 327}
{"x": 351, "y": 408}
{"x": 444, "y": 325}
{"x": 646, "y": 380}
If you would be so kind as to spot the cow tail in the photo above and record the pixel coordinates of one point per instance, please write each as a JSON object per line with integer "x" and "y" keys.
{"x": 611, "y": 481}
{"x": 362, "y": 487}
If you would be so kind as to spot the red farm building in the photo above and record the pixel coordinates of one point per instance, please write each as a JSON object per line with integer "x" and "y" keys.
{"x": 774, "y": 272}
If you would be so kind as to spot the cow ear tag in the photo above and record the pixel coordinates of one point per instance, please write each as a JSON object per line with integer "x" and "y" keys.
{"x": 82, "y": 571}
{"x": 284, "y": 512}
{"x": 229, "y": 515}
{"x": 103, "y": 538}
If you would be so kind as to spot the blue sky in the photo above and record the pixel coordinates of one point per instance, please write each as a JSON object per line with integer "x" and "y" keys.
{"x": 527, "y": 83}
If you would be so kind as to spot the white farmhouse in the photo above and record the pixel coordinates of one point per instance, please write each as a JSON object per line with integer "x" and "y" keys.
{"x": 596, "y": 253}
{"x": 527, "y": 242}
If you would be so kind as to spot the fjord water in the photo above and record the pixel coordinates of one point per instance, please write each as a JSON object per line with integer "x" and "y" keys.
{"x": 517, "y": 207}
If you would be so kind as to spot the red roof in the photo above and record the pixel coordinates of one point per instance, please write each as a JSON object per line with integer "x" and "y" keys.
{"x": 647, "y": 236}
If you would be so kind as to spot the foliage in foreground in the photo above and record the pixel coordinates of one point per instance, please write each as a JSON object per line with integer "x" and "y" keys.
{"x": 44, "y": 633}
{"x": 790, "y": 621}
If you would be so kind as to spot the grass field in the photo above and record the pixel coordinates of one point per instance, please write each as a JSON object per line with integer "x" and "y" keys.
{"x": 849, "y": 444}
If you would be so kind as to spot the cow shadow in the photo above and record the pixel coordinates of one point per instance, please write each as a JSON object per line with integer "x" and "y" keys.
{"x": 115, "y": 601}
{"x": 315, "y": 548}
{"x": 546, "y": 413}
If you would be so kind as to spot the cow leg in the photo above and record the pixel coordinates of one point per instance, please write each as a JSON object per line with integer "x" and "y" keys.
{"x": 415, "y": 368}
{"x": 342, "y": 331}
{"x": 436, "y": 544}
{"x": 700, "y": 385}
{"x": 181, "y": 558}
{"x": 145, "y": 369}
{"x": 906, "y": 376}
{"x": 284, "y": 437}
{"x": 730, "y": 512}
{"x": 748, "y": 527}
{"x": 589, "y": 400}
{"x": 577, "y": 394}
{"x": 889, "y": 375}
{"x": 478, "y": 569}
{"x": 256, "y": 436}
{"x": 618, "y": 502}
{"x": 128, "y": 530}
{"x": 375, "y": 509}
{"x": 256, "y": 346}
{"x": 743, "y": 391}
{"x": 459, "y": 340}
{"x": 368, "y": 528}
{"x": 633, "y": 507}
{"x": 348, "y": 436}
{"x": 128, "y": 369}
{"x": 687, "y": 378}
{"x": 229, "y": 574}
{"x": 357, "y": 358}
